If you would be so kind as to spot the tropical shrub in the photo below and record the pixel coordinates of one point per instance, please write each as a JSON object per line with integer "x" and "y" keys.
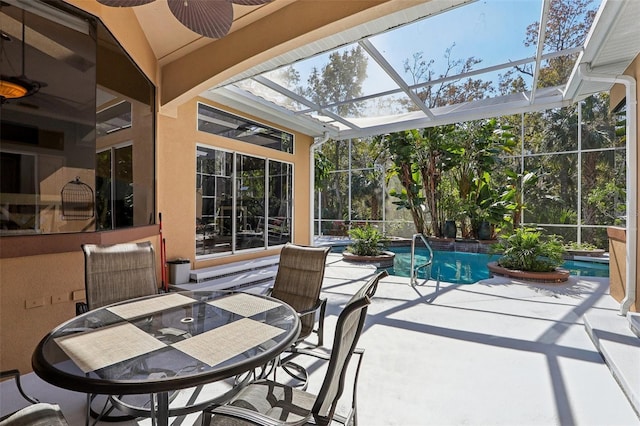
{"x": 366, "y": 241}
{"x": 573, "y": 245}
{"x": 528, "y": 250}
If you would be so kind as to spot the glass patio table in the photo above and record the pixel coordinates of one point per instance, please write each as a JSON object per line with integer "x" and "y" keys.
{"x": 163, "y": 343}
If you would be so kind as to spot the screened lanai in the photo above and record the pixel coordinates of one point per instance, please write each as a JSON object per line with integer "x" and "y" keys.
{"x": 446, "y": 62}
{"x": 424, "y": 49}
{"x": 272, "y": 49}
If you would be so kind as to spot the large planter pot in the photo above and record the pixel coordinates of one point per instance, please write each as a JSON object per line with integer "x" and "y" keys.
{"x": 449, "y": 230}
{"x": 557, "y": 276}
{"x": 588, "y": 253}
{"x": 484, "y": 230}
{"x": 384, "y": 260}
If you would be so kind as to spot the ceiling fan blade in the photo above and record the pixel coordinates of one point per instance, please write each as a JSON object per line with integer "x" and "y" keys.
{"x": 250, "y": 2}
{"x": 210, "y": 18}
{"x": 124, "y": 3}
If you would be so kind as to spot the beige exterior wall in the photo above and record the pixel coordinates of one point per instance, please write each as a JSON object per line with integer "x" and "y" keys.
{"x": 37, "y": 292}
{"x": 618, "y": 256}
{"x": 177, "y": 140}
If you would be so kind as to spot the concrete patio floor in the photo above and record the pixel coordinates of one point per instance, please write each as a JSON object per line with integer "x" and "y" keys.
{"x": 493, "y": 353}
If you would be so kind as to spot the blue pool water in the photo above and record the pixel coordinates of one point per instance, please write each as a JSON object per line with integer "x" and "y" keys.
{"x": 469, "y": 268}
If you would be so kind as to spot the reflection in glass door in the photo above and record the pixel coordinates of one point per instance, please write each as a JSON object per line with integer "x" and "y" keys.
{"x": 250, "y": 201}
{"x": 280, "y": 203}
{"x": 114, "y": 188}
{"x": 242, "y": 202}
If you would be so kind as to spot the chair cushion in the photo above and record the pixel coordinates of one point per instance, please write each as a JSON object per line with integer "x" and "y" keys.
{"x": 41, "y": 414}
{"x": 272, "y": 399}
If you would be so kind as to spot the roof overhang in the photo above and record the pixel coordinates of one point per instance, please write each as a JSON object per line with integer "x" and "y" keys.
{"x": 613, "y": 43}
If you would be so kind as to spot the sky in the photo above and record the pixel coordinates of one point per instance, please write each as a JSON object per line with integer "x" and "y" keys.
{"x": 491, "y": 30}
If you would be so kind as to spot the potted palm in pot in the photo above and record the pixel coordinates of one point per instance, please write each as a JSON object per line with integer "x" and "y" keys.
{"x": 368, "y": 245}
{"x": 583, "y": 249}
{"x": 528, "y": 254}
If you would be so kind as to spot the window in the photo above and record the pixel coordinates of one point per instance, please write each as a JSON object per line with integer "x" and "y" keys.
{"x": 242, "y": 202}
{"x": 90, "y": 122}
{"x": 222, "y": 123}
{"x": 114, "y": 188}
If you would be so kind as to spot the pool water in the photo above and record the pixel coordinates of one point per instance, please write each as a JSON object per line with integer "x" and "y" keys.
{"x": 469, "y": 268}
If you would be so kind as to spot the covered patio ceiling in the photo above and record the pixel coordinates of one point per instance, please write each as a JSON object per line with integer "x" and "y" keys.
{"x": 492, "y": 31}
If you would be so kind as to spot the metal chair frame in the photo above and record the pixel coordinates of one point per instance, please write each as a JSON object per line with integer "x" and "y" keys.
{"x": 269, "y": 395}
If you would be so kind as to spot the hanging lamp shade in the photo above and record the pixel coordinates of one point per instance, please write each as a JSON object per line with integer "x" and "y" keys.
{"x": 16, "y": 87}
{"x": 210, "y": 18}
{"x": 77, "y": 200}
{"x": 11, "y": 90}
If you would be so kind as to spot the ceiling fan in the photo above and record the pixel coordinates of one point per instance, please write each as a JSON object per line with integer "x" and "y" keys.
{"x": 210, "y": 18}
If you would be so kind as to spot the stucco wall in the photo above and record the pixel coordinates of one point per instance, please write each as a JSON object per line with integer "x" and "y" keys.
{"x": 36, "y": 294}
{"x": 177, "y": 140}
{"x": 37, "y": 291}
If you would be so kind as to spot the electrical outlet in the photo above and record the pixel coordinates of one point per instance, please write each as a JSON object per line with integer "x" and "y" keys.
{"x": 78, "y": 295}
{"x": 34, "y": 303}
{"x": 60, "y": 298}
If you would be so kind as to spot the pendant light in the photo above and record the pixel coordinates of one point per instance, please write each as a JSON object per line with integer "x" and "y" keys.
{"x": 16, "y": 87}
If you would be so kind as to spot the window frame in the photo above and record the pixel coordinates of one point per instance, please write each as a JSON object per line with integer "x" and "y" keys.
{"x": 248, "y": 120}
{"x": 200, "y": 253}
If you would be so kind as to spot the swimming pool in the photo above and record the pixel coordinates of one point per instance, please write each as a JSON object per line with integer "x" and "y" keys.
{"x": 469, "y": 268}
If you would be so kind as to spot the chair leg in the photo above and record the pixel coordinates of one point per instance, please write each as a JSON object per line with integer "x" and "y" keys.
{"x": 323, "y": 308}
{"x": 88, "y": 414}
{"x": 105, "y": 413}
{"x": 354, "y": 403}
{"x": 297, "y": 372}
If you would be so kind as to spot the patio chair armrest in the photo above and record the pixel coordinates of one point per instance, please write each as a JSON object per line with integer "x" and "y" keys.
{"x": 252, "y": 416}
{"x": 322, "y": 355}
{"x": 16, "y": 375}
{"x": 314, "y": 308}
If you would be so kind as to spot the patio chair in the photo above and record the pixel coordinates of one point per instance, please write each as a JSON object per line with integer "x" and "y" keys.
{"x": 36, "y": 414}
{"x": 114, "y": 273}
{"x": 118, "y": 272}
{"x": 267, "y": 402}
{"x": 298, "y": 283}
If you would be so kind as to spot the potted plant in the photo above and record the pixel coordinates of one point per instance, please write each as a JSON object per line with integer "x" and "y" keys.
{"x": 583, "y": 249}
{"x": 528, "y": 254}
{"x": 368, "y": 245}
{"x": 451, "y": 209}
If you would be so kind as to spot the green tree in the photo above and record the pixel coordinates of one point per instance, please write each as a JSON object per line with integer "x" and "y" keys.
{"x": 481, "y": 148}
{"x": 399, "y": 148}
{"x": 339, "y": 80}
{"x": 421, "y": 70}
{"x": 568, "y": 23}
